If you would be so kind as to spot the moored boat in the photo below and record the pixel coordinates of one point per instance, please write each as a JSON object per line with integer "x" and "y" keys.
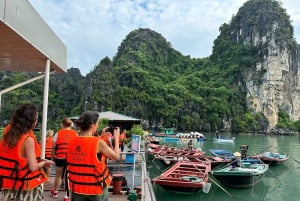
{"x": 245, "y": 176}
{"x": 271, "y": 158}
{"x": 171, "y": 158}
{"x": 169, "y": 150}
{"x": 153, "y": 140}
{"x": 224, "y": 140}
{"x": 185, "y": 178}
{"x": 192, "y": 135}
{"x": 223, "y": 153}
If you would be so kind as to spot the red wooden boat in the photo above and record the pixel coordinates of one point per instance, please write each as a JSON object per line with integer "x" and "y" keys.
{"x": 153, "y": 140}
{"x": 185, "y": 177}
{"x": 271, "y": 158}
{"x": 171, "y": 158}
{"x": 168, "y": 150}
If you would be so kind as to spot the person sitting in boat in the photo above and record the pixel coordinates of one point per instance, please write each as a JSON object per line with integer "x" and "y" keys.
{"x": 218, "y": 135}
{"x": 190, "y": 145}
{"x": 244, "y": 150}
{"x": 236, "y": 160}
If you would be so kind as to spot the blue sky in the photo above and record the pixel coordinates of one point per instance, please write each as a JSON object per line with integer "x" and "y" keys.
{"x": 93, "y": 29}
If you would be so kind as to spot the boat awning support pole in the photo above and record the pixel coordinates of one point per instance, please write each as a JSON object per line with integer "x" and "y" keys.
{"x": 17, "y": 86}
{"x": 45, "y": 108}
{"x": 133, "y": 172}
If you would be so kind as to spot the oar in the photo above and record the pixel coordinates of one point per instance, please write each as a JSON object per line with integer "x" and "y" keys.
{"x": 295, "y": 160}
{"x": 155, "y": 158}
{"x": 272, "y": 173}
{"x": 212, "y": 180}
{"x": 223, "y": 189}
{"x": 291, "y": 157}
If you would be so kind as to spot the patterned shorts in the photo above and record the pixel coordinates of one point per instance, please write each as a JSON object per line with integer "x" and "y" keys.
{"x": 35, "y": 194}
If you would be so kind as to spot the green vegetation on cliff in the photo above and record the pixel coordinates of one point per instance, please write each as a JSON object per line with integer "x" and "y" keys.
{"x": 150, "y": 80}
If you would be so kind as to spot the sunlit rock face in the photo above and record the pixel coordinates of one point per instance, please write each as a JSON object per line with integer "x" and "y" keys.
{"x": 273, "y": 84}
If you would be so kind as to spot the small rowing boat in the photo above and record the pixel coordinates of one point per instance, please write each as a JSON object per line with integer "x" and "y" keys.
{"x": 185, "y": 178}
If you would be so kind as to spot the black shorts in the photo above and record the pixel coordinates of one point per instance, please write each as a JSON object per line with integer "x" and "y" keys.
{"x": 60, "y": 162}
{"x": 121, "y": 146}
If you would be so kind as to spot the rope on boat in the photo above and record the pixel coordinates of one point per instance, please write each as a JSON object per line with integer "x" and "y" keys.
{"x": 272, "y": 173}
{"x": 212, "y": 180}
{"x": 161, "y": 171}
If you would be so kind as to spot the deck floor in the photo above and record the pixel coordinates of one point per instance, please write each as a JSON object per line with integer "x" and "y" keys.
{"x": 49, "y": 185}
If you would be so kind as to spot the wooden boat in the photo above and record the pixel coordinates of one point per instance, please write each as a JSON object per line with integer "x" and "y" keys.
{"x": 245, "y": 176}
{"x": 169, "y": 150}
{"x": 151, "y": 147}
{"x": 224, "y": 140}
{"x": 229, "y": 155}
{"x": 223, "y": 153}
{"x": 185, "y": 178}
{"x": 154, "y": 140}
{"x": 170, "y": 159}
{"x": 271, "y": 158}
{"x": 166, "y": 132}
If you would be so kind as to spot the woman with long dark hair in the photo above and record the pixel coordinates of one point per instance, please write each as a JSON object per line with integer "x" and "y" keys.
{"x": 21, "y": 170}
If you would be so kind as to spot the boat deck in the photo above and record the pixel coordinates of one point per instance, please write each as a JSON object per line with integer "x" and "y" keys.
{"x": 116, "y": 167}
{"x": 49, "y": 186}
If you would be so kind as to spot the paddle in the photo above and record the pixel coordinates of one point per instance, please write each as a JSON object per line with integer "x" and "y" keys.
{"x": 212, "y": 180}
{"x": 218, "y": 185}
{"x": 272, "y": 173}
{"x": 223, "y": 189}
{"x": 291, "y": 157}
{"x": 295, "y": 160}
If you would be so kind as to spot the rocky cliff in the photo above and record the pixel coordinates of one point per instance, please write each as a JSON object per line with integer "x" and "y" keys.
{"x": 273, "y": 84}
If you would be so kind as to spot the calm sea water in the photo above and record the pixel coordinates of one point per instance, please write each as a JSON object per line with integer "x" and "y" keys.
{"x": 280, "y": 183}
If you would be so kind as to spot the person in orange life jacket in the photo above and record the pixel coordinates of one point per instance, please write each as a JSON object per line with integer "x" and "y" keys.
{"x": 123, "y": 138}
{"x": 88, "y": 174}
{"x": 107, "y": 137}
{"x": 59, "y": 151}
{"x": 122, "y": 141}
{"x": 48, "y": 148}
{"x": 21, "y": 170}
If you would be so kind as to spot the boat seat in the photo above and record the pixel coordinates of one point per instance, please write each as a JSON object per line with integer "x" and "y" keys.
{"x": 192, "y": 178}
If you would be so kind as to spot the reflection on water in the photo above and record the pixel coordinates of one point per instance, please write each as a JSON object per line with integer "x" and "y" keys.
{"x": 280, "y": 183}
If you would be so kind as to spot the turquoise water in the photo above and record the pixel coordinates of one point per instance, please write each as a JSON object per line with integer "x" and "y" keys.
{"x": 280, "y": 183}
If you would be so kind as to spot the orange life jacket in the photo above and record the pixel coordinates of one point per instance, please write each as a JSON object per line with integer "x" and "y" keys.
{"x": 14, "y": 171}
{"x": 107, "y": 138}
{"x": 63, "y": 138}
{"x": 86, "y": 173}
{"x": 122, "y": 138}
{"x": 48, "y": 149}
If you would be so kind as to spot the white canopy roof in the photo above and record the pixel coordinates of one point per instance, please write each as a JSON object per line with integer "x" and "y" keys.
{"x": 27, "y": 44}
{"x": 26, "y": 41}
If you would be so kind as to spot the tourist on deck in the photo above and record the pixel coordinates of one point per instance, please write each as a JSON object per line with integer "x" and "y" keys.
{"x": 190, "y": 145}
{"x": 59, "y": 152}
{"x": 122, "y": 140}
{"x": 22, "y": 178}
{"x": 48, "y": 148}
{"x": 107, "y": 136}
{"x": 88, "y": 174}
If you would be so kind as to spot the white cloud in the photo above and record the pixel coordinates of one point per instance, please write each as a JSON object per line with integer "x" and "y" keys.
{"x": 93, "y": 29}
